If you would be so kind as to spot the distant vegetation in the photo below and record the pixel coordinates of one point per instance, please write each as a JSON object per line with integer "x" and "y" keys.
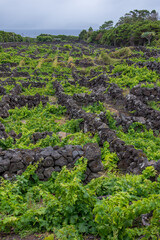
{"x": 12, "y": 37}
{"x": 137, "y": 27}
{"x": 50, "y": 38}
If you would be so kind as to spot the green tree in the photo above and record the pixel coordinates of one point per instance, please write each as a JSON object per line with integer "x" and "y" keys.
{"x": 106, "y": 25}
{"x": 154, "y": 15}
{"x": 83, "y": 35}
{"x": 44, "y": 38}
{"x": 148, "y": 36}
{"x": 90, "y": 29}
{"x": 138, "y": 15}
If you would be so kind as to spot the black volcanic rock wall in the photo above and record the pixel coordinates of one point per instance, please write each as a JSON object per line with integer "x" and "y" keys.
{"x": 146, "y": 94}
{"x": 13, "y": 162}
{"x": 12, "y": 101}
{"x": 140, "y": 109}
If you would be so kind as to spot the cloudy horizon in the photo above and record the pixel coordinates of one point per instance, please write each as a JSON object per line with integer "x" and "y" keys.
{"x": 66, "y": 14}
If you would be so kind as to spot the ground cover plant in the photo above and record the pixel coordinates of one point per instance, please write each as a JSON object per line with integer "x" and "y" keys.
{"x": 65, "y": 205}
{"x": 132, "y": 76}
{"x": 74, "y": 94}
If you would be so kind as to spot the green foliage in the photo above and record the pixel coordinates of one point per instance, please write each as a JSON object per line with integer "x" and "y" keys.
{"x": 67, "y": 207}
{"x": 90, "y": 29}
{"x": 148, "y": 85}
{"x": 125, "y": 34}
{"x": 120, "y": 53}
{"x": 45, "y": 91}
{"x": 68, "y": 46}
{"x": 71, "y": 89}
{"x": 97, "y": 107}
{"x": 106, "y": 25}
{"x": 107, "y": 59}
{"x": 50, "y": 237}
{"x": 28, "y": 121}
{"x": 148, "y": 36}
{"x": 109, "y": 159}
{"x": 10, "y": 37}
{"x": 111, "y": 121}
{"x": 44, "y": 38}
{"x": 83, "y": 35}
{"x": 138, "y": 15}
{"x": 115, "y": 222}
{"x": 80, "y": 139}
{"x": 6, "y": 143}
{"x": 50, "y": 38}
{"x": 68, "y": 232}
{"x": 157, "y": 43}
{"x": 154, "y": 105}
{"x": 61, "y": 200}
{"x": 131, "y": 76}
{"x": 149, "y": 172}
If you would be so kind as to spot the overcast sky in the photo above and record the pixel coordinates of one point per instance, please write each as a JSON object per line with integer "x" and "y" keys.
{"x": 66, "y": 14}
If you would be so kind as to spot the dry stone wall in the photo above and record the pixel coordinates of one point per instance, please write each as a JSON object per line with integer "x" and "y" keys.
{"x": 140, "y": 109}
{"x": 12, "y": 101}
{"x": 13, "y": 162}
{"x": 146, "y": 94}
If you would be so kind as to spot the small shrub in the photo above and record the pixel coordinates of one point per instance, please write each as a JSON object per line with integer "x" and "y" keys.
{"x": 40, "y": 63}
{"x": 22, "y": 63}
{"x": 50, "y": 237}
{"x": 149, "y": 172}
{"x": 68, "y": 46}
{"x": 121, "y": 53}
{"x": 55, "y": 62}
{"x": 107, "y": 59}
{"x": 157, "y": 43}
{"x": 68, "y": 232}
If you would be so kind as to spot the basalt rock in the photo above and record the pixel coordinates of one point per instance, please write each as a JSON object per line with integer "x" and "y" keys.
{"x": 86, "y": 62}
{"x": 13, "y": 162}
{"x": 2, "y": 91}
{"x": 37, "y": 136}
{"x": 3, "y": 134}
{"x": 16, "y": 90}
{"x": 146, "y": 94}
{"x": 140, "y": 109}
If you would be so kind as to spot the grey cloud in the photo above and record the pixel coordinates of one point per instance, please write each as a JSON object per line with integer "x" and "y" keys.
{"x": 70, "y": 14}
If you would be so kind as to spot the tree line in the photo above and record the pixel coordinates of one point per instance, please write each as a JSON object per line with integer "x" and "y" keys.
{"x": 12, "y": 37}
{"x": 138, "y": 27}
